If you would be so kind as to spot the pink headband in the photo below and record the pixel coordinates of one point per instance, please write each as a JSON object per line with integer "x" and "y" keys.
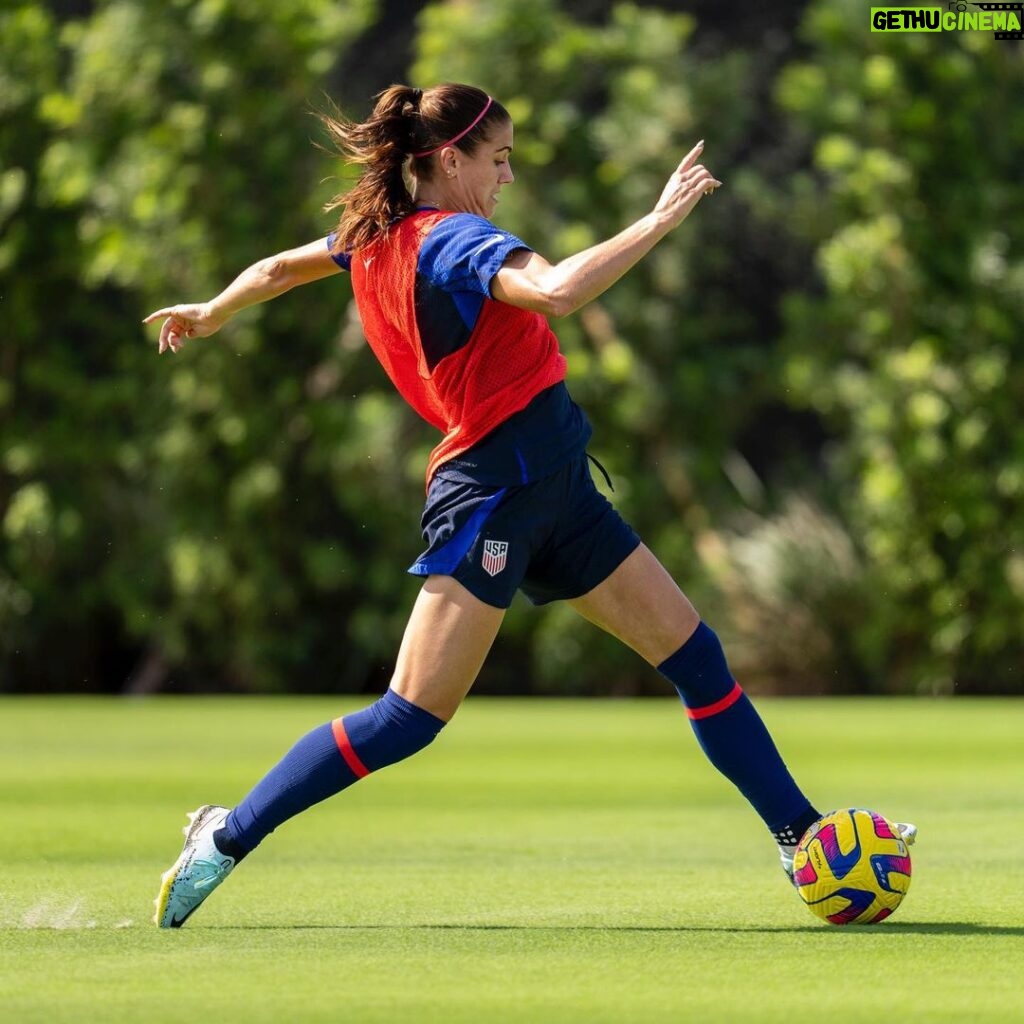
{"x": 465, "y": 131}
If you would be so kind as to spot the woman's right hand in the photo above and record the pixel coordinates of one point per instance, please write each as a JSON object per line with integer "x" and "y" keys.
{"x": 184, "y": 322}
{"x": 689, "y": 183}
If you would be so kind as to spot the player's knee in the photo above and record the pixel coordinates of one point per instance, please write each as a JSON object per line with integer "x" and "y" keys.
{"x": 698, "y": 670}
{"x": 390, "y": 730}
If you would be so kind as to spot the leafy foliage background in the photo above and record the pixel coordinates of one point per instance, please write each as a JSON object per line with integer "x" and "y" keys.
{"x": 808, "y": 397}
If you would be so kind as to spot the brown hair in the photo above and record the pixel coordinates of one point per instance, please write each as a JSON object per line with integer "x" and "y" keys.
{"x": 405, "y": 121}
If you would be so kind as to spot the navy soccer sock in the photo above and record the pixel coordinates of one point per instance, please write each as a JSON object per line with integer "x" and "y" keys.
{"x": 732, "y": 735}
{"x": 324, "y": 762}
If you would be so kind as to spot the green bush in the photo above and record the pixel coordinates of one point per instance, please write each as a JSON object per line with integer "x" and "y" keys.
{"x": 913, "y": 348}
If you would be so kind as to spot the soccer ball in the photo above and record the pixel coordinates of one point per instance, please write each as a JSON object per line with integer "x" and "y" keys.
{"x": 852, "y": 867}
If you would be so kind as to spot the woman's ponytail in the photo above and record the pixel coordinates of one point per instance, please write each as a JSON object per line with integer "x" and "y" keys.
{"x": 407, "y": 127}
{"x": 381, "y": 145}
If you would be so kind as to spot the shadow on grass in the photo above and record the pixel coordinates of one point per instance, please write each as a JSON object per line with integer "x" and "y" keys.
{"x": 957, "y": 928}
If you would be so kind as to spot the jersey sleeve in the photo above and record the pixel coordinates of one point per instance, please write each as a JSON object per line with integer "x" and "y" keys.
{"x": 343, "y": 259}
{"x": 463, "y": 252}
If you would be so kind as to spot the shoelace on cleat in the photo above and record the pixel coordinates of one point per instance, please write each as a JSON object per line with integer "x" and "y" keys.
{"x": 214, "y": 873}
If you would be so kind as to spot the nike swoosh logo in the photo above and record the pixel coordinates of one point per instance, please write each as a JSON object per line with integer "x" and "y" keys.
{"x": 488, "y": 242}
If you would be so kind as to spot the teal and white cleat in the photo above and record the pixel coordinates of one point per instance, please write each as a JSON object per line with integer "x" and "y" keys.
{"x": 908, "y": 833}
{"x": 197, "y": 872}
{"x": 787, "y": 854}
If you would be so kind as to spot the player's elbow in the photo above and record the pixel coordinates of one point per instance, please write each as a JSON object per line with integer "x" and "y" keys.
{"x": 274, "y": 272}
{"x": 549, "y": 292}
{"x": 561, "y": 305}
{"x": 555, "y": 297}
{"x": 286, "y": 270}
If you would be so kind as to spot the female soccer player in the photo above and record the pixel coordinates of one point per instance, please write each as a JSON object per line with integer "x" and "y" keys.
{"x": 457, "y": 310}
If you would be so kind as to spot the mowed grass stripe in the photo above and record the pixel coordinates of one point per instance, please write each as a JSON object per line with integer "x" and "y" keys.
{"x": 542, "y": 861}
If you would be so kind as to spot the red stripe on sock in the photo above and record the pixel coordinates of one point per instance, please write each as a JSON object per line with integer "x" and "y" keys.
{"x": 347, "y": 750}
{"x": 719, "y": 706}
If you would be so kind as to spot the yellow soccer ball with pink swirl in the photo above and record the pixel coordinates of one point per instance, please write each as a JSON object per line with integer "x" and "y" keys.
{"x": 852, "y": 867}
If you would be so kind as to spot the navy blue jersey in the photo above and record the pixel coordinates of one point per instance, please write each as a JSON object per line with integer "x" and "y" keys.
{"x": 531, "y": 444}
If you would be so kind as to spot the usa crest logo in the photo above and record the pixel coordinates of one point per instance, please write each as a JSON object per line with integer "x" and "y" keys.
{"x": 495, "y": 556}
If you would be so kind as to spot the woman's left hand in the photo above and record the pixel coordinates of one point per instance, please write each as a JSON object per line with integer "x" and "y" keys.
{"x": 687, "y": 186}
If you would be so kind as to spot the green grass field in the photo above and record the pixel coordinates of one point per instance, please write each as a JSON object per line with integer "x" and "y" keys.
{"x": 542, "y": 861}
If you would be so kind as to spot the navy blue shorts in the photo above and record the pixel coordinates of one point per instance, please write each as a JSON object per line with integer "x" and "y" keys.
{"x": 554, "y": 539}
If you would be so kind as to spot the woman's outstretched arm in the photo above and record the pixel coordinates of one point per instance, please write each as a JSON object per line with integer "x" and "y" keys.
{"x": 264, "y": 280}
{"x": 527, "y": 279}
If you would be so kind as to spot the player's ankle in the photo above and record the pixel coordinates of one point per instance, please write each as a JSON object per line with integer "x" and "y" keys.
{"x": 790, "y": 833}
{"x": 229, "y": 846}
